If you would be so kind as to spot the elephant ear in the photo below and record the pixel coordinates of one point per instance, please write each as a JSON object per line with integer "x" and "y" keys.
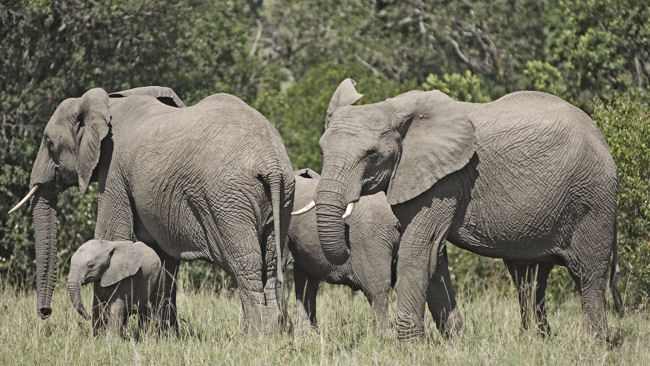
{"x": 164, "y": 94}
{"x": 91, "y": 126}
{"x": 307, "y": 173}
{"x": 124, "y": 263}
{"x": 345, "y": 94}
{"x": 439, "y": 140}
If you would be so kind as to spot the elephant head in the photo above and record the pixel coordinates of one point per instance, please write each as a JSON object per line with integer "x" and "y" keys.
{"x": 104, "y": 261}
{"x": 68, "y": 155}
{"x": 401, "y": 146}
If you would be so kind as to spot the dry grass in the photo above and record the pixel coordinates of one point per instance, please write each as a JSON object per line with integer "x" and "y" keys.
{"x": 211, "y": 333}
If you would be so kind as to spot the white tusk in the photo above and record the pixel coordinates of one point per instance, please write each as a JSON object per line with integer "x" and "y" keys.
{"x": 348, "y": 210}
{"x": 22, "y": 202}
{"x": 309, "y": 206}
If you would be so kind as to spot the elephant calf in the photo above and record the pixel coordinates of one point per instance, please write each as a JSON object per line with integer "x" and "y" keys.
{"x": 373, "y": 238}
{"x": 126, "y": 276}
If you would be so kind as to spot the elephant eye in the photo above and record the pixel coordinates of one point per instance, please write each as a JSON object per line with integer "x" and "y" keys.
{"x": 49, "y": 143}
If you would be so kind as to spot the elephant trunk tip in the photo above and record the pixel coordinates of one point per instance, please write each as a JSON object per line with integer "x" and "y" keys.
{"x": 44, "y": 312}
{"x": 338, "y": 258}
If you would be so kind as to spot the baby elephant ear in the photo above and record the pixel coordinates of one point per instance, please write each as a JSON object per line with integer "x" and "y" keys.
{"x": 124, "y": 263}
{"x": 162, "y": 93}
{"x": 344, "y": 95}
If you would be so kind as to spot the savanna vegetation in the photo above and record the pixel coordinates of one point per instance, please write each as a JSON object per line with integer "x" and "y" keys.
{"x": 286, "y": 58}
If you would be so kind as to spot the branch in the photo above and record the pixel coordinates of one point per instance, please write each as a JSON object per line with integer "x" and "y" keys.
{"x": 367, "y": 65}
{"x": 257, "y": 37}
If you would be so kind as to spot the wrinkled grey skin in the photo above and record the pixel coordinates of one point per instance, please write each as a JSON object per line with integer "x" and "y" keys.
{"x": 527, "y": 178}
{"x": 126, "y": 279}
{"x": 210, "y": 182}
{"x": 373, "y": 238}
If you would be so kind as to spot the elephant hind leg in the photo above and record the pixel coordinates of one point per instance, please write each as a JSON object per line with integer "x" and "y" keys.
{"x": 587, "y": 260}
{"x": 242, "y": 257}
{"x": 441, "y": 299}
{"x": 526, "y": 278}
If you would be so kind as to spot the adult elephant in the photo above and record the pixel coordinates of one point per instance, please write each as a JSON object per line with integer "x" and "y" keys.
{"x": 527, "y": 178}
{"x": 210, "y": 182}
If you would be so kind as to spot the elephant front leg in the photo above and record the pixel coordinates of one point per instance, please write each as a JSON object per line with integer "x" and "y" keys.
{"x": 114, "y": 213}
{"x": 417, "y": 259}
{"x": 306, "y": 290}
{"x": 118, "y": 317}
{"x": 441, "y": 299}
{"x": 99, "y": 319}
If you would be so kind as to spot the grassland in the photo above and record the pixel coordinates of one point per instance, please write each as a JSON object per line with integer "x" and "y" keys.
{"x": 211, "y": 332}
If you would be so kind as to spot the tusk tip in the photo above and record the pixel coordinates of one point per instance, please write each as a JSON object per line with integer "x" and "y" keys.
{"x": 22, "y": 202}
{"x": 309, "y": 206}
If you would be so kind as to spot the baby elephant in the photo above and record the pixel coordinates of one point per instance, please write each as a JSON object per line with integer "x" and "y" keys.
{"x": 126, "y": 278}
{"x": 372, "y": 236}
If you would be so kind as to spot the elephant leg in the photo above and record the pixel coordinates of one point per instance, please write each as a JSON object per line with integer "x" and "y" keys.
{"x": 98, "y": 316}
{"x": 274, "y": 291}
{"x": 306, "y": 289}
{"x": 242, "y": 257}
{"x": 417, "y": 260}
{"x": 379, "y": 303}
{"x": 587, "y": 260}
{"x": 441, "y": 299}
{"x": 526, "y": 278}
{"x": 118, "y": 316}
{"x": 144, "y": 316}
{"x": 167, "y": 304}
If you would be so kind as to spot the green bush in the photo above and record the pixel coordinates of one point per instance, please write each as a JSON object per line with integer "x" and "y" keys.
{"x": 625, "y": 122}
{"x": 298, "y": 112}
{"x": 465, "y": 87}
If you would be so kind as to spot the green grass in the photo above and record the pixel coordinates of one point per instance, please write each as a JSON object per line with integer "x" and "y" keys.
{"x": 211, "y": 332}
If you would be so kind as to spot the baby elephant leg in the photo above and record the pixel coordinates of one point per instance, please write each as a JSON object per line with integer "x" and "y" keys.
{"x": 118, "y": 317}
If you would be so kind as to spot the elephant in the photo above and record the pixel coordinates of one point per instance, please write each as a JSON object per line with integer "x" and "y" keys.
{"x": 126, "y": 279}
{"x": 527, "y": 178}
{"x": 212, "y": 182}
{"x": 373, "y": 238}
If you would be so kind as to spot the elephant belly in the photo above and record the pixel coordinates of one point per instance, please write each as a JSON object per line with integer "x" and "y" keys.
{"x": 511, "y": 233}
{"x": 528, "y": 222}
{"x": 183, "y": 235}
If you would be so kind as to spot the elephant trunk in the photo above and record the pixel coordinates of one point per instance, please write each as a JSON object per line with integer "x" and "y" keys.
{"x": 44, "y": 203}
{"x": 45, "y": 237}
{"x": 330, "y": 207}
{"x": 74, "y": 289}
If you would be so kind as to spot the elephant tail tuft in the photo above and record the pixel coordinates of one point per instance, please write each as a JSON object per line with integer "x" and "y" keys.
{"x": 613, "y": 280}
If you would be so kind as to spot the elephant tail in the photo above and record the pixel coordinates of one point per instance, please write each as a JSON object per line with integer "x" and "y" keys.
{"x": 613, "y": 280}
{"x": 275, "y": 185}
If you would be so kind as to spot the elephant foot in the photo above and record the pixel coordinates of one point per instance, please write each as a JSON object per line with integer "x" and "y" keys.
{"x": 453, "y": 325}
{"x": 409, "y": 329}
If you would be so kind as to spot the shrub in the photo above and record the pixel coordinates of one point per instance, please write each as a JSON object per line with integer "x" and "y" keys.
{"x": 625, "y": 122}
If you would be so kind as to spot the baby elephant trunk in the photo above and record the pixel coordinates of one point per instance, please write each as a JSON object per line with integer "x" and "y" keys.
{"x": 74, "y": 288}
